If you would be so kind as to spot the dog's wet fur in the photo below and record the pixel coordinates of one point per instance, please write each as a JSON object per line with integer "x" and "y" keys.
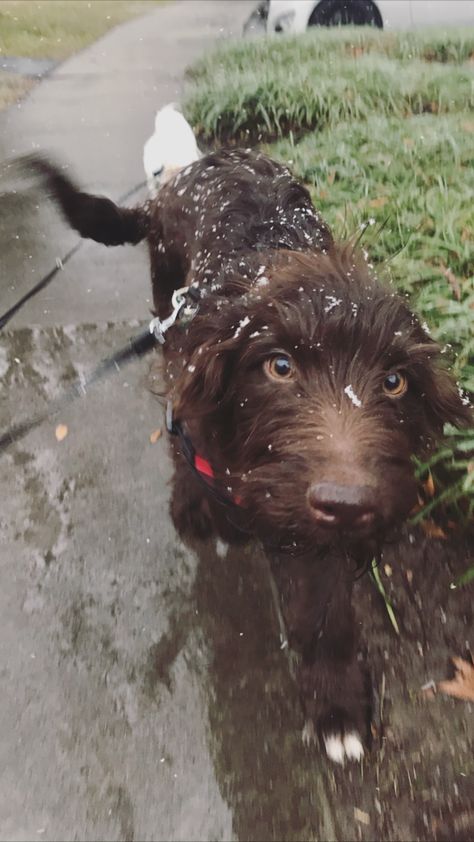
{"x": 308, "y": 385}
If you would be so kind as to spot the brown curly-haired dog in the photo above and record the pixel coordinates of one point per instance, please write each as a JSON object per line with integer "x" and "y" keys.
{"x": 306, "y": 384}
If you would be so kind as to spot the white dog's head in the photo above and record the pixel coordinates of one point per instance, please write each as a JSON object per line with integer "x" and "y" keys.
{"x": 171, "y": 147}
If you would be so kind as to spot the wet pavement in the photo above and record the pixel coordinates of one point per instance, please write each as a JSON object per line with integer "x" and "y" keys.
{"x": 34, "y": 67}
{"x": 144, "y": 694}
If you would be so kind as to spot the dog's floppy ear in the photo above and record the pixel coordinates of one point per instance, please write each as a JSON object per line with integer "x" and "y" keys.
{"x": 204, "y": 384}
{"x": 445, "y": 403}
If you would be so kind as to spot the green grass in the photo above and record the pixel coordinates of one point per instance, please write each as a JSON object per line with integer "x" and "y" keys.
{"x": 260, "y": 105}
{"x": 57, "y": 28}
{"x": 455, "y": 46}
{"x": 13, "y": 87}
{"x": 381, "y": 129}
{"x": 416, "y": 175}
{"x": 260, "y": 90}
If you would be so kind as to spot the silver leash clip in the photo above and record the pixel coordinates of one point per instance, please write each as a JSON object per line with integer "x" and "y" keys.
{"x": 158, "y": 327}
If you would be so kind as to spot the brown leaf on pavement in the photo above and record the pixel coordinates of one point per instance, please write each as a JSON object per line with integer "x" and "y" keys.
{"x": 61, "y": 432}
{"x": 154, "y": 436}
{"x": 361, "y": 816}
{"x": 462, "y": 685}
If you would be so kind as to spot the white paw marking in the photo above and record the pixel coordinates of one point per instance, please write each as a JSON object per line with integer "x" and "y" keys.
{"x": 221, "y": 548}
{"x": 353, "y": 746}
{"x": 334, "y": 748}
{"x": 340, "y": 748}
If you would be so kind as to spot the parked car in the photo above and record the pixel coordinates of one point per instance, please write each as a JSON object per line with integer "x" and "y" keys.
{"x": 297, "y": 15}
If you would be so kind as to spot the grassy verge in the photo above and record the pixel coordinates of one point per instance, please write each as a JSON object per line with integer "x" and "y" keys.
{"x": 12, "y": 88}
{"x": 455, "y": 46}
{"x": 55, "y": 29}
{"x": 416, "y": 175}
{"x": 263, "y": 90}
{"x": 381, "y": 129}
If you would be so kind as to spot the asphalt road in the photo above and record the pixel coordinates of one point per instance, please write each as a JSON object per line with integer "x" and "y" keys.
{"x": 143, "y": 693}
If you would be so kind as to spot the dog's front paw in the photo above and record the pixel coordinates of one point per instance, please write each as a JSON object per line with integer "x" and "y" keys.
{"x": 337, "y": 710}
{"x": 340, "y": 745}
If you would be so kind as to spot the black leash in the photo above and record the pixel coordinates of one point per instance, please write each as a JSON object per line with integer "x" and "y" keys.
{"x": 135, "y": 348}
{"x": 185, "y": 303}
{"x": 60, "y": 263}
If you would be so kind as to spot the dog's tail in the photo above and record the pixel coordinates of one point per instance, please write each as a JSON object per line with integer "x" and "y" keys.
{"x": 94, "y": 217}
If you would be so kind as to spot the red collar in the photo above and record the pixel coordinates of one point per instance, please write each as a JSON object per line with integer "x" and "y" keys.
{"x": 200, "y": 466}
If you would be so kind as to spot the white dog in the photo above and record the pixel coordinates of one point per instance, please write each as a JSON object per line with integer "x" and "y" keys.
{"x": 171, "y": 147}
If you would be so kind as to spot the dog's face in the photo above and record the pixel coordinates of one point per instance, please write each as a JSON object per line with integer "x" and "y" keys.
{"x": 317, "y": 387}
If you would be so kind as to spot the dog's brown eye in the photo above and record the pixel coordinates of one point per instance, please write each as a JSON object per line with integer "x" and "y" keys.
{"x": 395, "y": 384}
{"x": 279, "y": 367}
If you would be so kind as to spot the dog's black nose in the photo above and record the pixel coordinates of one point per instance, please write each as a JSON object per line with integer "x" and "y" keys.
{"x": 346, "y": 507}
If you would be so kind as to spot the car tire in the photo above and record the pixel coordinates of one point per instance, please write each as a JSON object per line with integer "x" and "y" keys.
{"x": 346, "y": 12}
{"x": 254, "y": 27}
{"x": 256, "y": 24}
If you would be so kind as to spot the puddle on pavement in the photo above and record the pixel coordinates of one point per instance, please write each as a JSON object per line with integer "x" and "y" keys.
{"x": 273, "y": 785}
{"x": 36, "y": 67}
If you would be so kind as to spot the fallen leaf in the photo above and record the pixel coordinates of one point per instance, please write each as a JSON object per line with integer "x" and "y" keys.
{"x": 468, "y": 126}
{"x": 432, "y": 530}
{"x": 429, "y": 486}
{"x": 408, "y": 142}
{"x": 361, "y": 816}
{"x": 452, "y": 281}
{"x": 387, "y": 570}
{"x": 428, "y": 693}
{"x": 154, "y": 436}
{"x": 428, "y": 690}
{"x": 356, "y": 52}
{"x": 61, "y": 432}
{"x": 462, "y": 685}
{"x": 379, "y": 202}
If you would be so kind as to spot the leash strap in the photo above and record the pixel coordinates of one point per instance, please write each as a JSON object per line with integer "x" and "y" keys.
{"x": 181, "y": 309}
{"x": 60, "y": 264}
{"x": 136, "y": 347}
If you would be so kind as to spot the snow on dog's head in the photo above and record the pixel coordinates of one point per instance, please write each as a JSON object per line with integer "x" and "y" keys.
{"x": 171, "y": 147}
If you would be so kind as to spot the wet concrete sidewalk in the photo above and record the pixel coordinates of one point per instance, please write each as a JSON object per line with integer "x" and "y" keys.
{"x": 144, "y": 694}
{"x": 103, "y": 721}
